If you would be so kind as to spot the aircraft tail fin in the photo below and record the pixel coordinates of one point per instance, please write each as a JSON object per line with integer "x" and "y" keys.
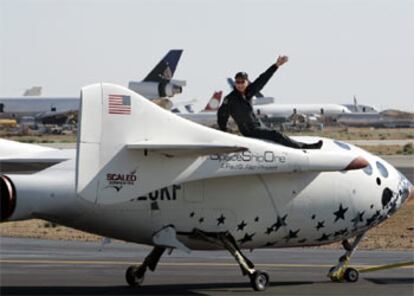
{"x": 123, "y": 142}
{"x": 214, "y": 103}
{"x": 33, "y": 91}
{"x": 165, "y": 69}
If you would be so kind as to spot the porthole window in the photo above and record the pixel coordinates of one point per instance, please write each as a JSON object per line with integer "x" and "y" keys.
{"x": 368, "y": 170}
{"x": 343, "y": 145}
{"x": 382, "y": 169}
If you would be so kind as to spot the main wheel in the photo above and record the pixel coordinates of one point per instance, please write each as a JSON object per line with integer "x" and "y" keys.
{"x": 135, "y": 275}
{"x": 259, "y": 280}
{"x": 351, "y": 275}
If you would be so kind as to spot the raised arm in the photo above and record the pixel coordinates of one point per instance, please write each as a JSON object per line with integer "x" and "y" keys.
{"x": 257, "y": 85}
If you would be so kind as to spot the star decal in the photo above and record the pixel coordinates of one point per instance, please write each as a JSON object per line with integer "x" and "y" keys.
{"x": 292, "y": 234}
{"x": 321, "y": 224}
{"x": 247, "y": 238}
{"x": 269, "y": 230}
{"x": 241, "y": 226}
{"x": 358, "y": 218}
{"x": 281, "y": 221}
{"x": 340, "y": 232}
{"x": 192, "y": 214}
{"x": 324, "y": 237}
{"x": 201, "y": 220}
{"x": 220, "y": 220}
{"x": 340, "y": 213}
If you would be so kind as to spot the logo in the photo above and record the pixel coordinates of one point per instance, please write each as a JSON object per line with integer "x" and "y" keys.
{"x": 117, "y": 180}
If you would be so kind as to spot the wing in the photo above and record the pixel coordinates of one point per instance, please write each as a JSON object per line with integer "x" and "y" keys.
{"x": 29, "y": 158}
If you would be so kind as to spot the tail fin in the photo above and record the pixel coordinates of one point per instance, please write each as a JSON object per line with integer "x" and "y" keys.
{"x": 122, "y": 145}
{"x": 214, "y": 102}
{"x": 34, "y": 91}
{"x": 165, "y": 69}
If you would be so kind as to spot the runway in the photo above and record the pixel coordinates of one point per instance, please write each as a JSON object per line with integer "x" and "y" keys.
{"x": 43, "y": 267}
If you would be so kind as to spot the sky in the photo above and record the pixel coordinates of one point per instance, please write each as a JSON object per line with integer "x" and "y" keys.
{"x": 336, "y": 48}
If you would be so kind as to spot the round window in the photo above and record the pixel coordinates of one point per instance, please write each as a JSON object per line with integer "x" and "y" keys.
{"x": 382, "y": 169}
{"x": 368, "y": 170}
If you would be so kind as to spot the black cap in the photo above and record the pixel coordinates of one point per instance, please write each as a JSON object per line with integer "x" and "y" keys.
{"x": 241, "y": 75}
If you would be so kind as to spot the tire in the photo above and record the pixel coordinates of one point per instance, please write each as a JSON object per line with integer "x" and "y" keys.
{"x": 259, "y": 280}
{"x": 135, "y": 275}
{"x": 351, "y": 275}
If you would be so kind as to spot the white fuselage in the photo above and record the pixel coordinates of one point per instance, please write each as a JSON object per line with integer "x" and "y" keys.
{"x": 17, "y": 107}
{"x": 286, "y": 110}
{"x": 259, "y": 210}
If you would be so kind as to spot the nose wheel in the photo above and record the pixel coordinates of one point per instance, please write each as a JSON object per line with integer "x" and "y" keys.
{"x": 351, "y": 275}
{"x": 342, "y": 271}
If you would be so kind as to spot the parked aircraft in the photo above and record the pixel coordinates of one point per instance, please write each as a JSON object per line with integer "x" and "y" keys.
{"x": 384, "y": 119}
{"x": 266, "y": 108}
{"x": 174, "y": 184}
{"x": 359, "y": 108}
{"x": 157, "y": 84}
{"x": 208, "y": 115}
{"x": 33, "y": 91}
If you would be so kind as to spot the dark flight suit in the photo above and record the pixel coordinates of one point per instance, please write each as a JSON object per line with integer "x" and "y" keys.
{"x": 239, "y": 106}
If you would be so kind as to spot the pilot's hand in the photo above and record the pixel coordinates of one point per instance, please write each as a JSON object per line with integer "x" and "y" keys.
{"x": 281, "y": 60}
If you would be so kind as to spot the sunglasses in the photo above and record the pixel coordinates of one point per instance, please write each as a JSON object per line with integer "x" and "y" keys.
{"x": 240, "y": 81}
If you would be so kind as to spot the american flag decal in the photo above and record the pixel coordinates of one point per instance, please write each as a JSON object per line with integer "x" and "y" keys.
{"x": 119, "y": 104}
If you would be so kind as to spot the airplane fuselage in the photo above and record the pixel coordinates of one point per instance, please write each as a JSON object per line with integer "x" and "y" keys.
{"x": 259, "y": 210}
{"x": 16, "y": 107}
{"x": 286, "y": 110}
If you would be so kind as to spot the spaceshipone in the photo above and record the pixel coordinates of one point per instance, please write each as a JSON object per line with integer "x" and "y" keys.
{"x": 144, "y": 175}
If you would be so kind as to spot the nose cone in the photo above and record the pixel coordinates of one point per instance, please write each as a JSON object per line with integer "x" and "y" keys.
{"x": 411, "y": 195}
{"x": 357, "y": 163}
{"x": 406, "y": 189}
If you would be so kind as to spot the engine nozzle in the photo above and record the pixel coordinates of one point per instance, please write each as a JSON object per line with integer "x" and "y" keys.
{"x": 7, "y": 198}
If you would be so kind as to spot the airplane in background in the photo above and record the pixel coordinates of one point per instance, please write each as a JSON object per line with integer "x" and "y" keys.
{"x": 208, "y": 115}
{"x": 174, "y": 184}
{"x": 33, "y": 91}
{"x": 157, "y": 85}
{"x": 267, "y": 109}
{"x": 359, "y": 108}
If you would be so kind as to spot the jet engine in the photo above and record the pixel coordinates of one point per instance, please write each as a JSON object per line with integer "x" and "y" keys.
{"x": 154, "y": 90}
{"x": 7, "y": 198}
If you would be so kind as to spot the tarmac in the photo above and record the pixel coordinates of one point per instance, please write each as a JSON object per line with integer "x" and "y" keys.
{"x": 42, "y": 267}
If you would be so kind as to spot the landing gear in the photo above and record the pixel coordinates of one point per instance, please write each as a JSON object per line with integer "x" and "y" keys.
{"x": 351, "y": 275}
{"x": 135, "y": 274}
{"x": 341, "y": 272}
{"x": 259, "y": 280}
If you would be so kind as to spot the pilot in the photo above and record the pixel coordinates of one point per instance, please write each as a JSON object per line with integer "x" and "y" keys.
{"x": 238, "y": 104}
